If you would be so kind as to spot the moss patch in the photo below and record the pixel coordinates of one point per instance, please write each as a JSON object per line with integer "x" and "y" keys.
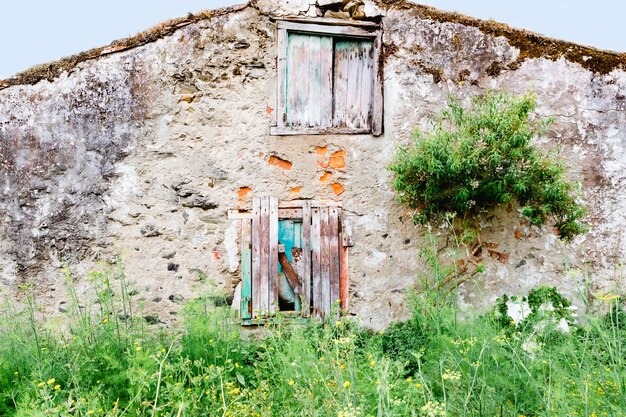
{"x": 52, "y": 70}
{"x": 530, "y": 44}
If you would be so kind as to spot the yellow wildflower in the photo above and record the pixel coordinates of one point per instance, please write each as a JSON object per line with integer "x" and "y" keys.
{"x": 608, "y": 297}
{"x": 372, "y": 363}
{"x": 57, "y": 387}
{"x": 346, "y": 384}
{"x": 51, "y": 381}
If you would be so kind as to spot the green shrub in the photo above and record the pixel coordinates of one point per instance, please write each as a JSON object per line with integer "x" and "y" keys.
{"x": 483, "y": 156}
{"x": 405, "y": 341}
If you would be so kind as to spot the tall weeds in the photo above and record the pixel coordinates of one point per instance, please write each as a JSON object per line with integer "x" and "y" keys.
{"x": 111, "y": 364}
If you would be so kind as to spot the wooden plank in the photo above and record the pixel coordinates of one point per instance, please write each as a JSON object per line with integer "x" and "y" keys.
{"x": 316, "y": 278}
{"x": 262, "y": 290}
{"x": 325, "y": 261}
{"x": 309, "y": 80}
{"x": 353, "y": 83}
{"x": 343, "y": 277}
{"x": 298, "y": 266}
{"x": 289, "y": 213}
{"x": 330, "y": 21}
{"x": 346, "y": 232}
{"x": 378, "y": 88}
{"x": 333, "y": 245}
{"x": 297, "y": 83}
{"x": 362, "y": 104}
{"x": 316, "y": 96}
{"x": 286, "y": 213}
{"x": 306, "y": 258}
{"x": 245, "y": 310}
{"x": 237, "y": 215}
{"x": 296, "y": 130}
{"x": 325, "y": 68}
{"x": 257, "y": 281}
{"x": 312, "y": 203}
{"x": 273, "y": 254}
{"x": 352, "y": 31}
{"x": 290, "y": 273}
{"x": 281, "y": 64}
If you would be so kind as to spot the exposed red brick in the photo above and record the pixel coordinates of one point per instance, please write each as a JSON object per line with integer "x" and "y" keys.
{"x": 243, "y": 192}
{"x": 518, "y": 234}
{"x": 296, "y": 189}
{"x": 326, "y": 176}
{"x": 261, "y": 154}
{"x": 338, "y": 153}
{"x": 279, "y": 162}
{"x": 321, "y": 150}
{"x": 338, "y": 188}
{"x": 337, "y": 162}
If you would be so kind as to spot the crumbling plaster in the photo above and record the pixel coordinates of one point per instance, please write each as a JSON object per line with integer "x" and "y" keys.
{"x": 138, "y": 155}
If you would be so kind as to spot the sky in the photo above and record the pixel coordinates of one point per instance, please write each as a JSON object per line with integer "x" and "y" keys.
{"x": 38, "y": 31}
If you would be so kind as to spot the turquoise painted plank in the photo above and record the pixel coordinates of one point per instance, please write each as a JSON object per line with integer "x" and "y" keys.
{"x": 246, "y": 268}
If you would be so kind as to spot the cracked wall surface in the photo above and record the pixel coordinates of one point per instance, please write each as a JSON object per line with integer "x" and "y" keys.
{"x": 137, "y": 156}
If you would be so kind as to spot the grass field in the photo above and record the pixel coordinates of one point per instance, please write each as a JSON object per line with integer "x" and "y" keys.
{"x": 435, "y": 364}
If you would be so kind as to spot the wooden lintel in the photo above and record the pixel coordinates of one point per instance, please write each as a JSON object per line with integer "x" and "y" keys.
{"x": 298, "y": 130}
{"x": 328, "y": 21}
{"x": 313, "y": 203}
{"x": 238, "y": 215}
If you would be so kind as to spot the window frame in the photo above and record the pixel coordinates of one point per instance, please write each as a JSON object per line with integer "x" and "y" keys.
{"x": 335, "y": 28}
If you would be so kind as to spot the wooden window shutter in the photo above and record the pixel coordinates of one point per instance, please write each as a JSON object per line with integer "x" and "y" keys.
{"x": 353, "y": 79}
{"x": 325, "y": 260}
{"x": 309, "y": 80}
{"x": 318, "y": 272}
{"x": 329, "y": 78}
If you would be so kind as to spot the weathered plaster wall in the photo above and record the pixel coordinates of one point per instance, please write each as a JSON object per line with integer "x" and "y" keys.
{"x": 140, "y": 154}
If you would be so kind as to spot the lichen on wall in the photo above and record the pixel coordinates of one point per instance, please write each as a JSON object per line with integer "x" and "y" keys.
{"x": 137, "y": 156}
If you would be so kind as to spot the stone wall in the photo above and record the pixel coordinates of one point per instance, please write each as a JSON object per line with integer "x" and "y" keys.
{"x": 137, "y": 156}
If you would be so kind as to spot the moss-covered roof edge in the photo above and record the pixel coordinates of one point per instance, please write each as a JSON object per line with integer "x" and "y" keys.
{"x": 530, "y": 44}
{"x": 52, "y": 70}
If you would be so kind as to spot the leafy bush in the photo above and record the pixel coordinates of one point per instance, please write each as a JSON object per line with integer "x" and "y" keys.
{"x": 405, "y": 341}
{"x": 483, "y": 156}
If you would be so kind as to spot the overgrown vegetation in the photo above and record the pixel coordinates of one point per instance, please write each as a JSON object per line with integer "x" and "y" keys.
{"x": 109, "y": 364}
{"x": 479, "y": 157}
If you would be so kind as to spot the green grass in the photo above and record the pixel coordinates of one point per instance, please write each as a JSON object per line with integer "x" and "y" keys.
{"x": 108, "y": 364}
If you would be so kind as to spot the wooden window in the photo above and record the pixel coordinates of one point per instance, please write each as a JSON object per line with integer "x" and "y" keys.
{"x": 329, "y": 78}
{"x": 293, "y": 259}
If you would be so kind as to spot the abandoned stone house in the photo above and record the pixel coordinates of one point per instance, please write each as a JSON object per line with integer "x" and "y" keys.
{"x": 236, "y": 149}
